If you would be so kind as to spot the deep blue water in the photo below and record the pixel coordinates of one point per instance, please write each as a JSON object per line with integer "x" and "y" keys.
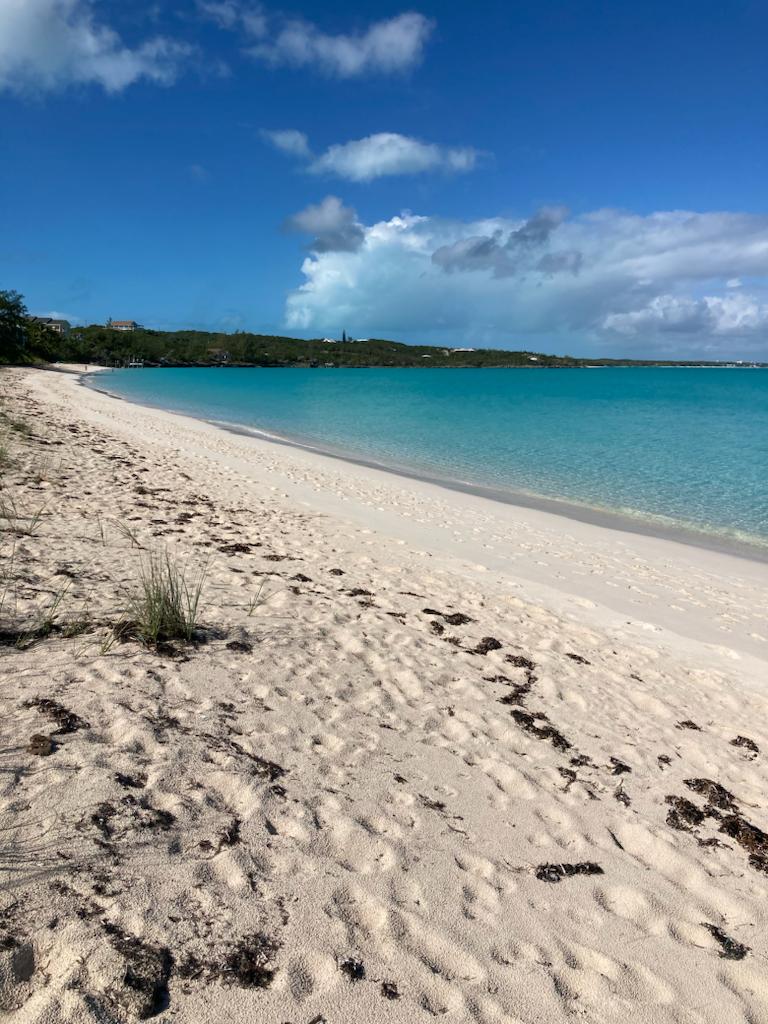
{"x": 675, "y": 446}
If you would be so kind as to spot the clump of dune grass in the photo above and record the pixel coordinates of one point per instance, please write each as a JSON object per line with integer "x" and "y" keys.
{"x": 17, "y": 426}
{"x": 24, "y": 522}
{"x": 166, "y": 602}
{"x": 6, "y": 459}
{"x": 127, "y": 532}
{"x": 43, "y": 469}
{"x": 47, "y": 620}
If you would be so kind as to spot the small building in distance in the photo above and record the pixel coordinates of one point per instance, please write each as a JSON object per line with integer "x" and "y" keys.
{"x": 58, "y": 326}
{"x": 218, "y": 355}
{"x": 123, "y": 325}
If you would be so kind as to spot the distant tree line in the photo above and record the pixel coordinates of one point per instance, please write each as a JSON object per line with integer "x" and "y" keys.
{"x": 24, "y": 341}
{"x": 21, "y": 339}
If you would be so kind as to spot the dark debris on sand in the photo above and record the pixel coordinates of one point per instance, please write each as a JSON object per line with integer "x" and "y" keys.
{"x": 41, "y": 745}
{"x": 452, "y": 618}
{"x": 749, "y": 837}
{"x": 354, "y": 969}
{"x": 144, "y": 988}
{"x": 66, "y": 720}
{"x": 557, "y": 872}
{"x": 684, "y": 815}
{"x": 240, "y": 646}
{"x": 746, "y": 744}
{"x": 730, "y": 949}
{"x": 577, "y": 658}
{"x": 249, "y": 962}
{"x": 722, "y": 808}
{"x": 715, "y": 794}
{"x": 538, "y": 725}
{"x": 488, "y": 643}
{"x": 520, "y": 661}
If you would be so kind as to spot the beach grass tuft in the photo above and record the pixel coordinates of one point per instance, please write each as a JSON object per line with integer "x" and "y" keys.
{"x": 6, "y": 459}
{"x": 166, "y": 603}
{"x": 127, "y": 532}
{"x": 24, "y": 522}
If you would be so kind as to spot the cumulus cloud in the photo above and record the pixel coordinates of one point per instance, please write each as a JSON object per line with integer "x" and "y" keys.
{"x": 375, "y": 156}
{"x": 389, "y": 153}
{"x": 656, "y": 282}
{"x": 673, "y": 314}
{"x": 50, "y": 44}
{"x": 386, "y": 47}
{"x": 504, "y": 254}
{"x": 335, "y": 227}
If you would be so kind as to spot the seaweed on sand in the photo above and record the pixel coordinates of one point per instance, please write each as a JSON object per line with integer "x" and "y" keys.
{"x": 538, "y": 725}
{"x": 557, "y": 872}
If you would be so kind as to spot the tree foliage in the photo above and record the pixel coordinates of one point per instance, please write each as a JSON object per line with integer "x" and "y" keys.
{"x": 21, "y": 340}
{"x": 13, "y": 314}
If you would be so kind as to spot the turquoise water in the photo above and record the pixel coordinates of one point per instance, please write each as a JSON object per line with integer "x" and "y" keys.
{"x": 667, "y": 446}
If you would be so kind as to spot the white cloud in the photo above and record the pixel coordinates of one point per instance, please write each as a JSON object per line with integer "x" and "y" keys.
{"x": 289, "y": 141}
{"x": 56, "y": 314}
{"x": 388, "y": 153}
{"x": 335, "y": 226}
{"x": 231, "y": 15}
{"x": 225, "y": 14}
{"x": 712, "y": 314}
{"x": 386, "y": 47}
{"x": 655, "y": 282}
{"x": 375, "y": 156}
{"x": 51, "y": 44}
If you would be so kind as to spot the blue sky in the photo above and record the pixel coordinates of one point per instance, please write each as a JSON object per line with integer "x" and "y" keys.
{"x": 585, "y": 177}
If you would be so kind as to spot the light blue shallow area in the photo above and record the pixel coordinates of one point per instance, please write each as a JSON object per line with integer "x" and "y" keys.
{"x": 685, "y": 447}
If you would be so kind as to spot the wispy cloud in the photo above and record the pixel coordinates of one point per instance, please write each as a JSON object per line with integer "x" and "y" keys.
{"x": 229, "y": 14}
{"x": 47, "y": 45}
{"x": 664, "y": 281}
{"x": 391, "y": 46}
{"x": 289, "y": 141}
{"x": 375, "y": 156}
{"x": 386, "y": 47}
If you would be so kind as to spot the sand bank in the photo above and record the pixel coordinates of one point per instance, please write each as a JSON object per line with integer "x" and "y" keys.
{"x": 412, "y": 711}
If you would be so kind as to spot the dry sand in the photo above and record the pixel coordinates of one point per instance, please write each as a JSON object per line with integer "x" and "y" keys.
{"x": 356, "y": 797}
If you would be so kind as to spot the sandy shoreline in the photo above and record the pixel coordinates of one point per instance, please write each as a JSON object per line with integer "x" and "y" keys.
{"x": 600, "y": 517}
{"x": 351, "y": 801}
{"x": 601, "y": 574}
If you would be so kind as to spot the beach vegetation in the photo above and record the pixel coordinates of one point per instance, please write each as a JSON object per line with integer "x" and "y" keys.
{"x": 43, "y": 469}
{"x": 24, "y": 340}
{"x": 259, "y": 598}
{"x": 126, "y": 531}
{"x": 46, "y": 621}
{"x": 6, "y": 459}
{"x": 166, "y": 602}
{"x": 22, "y": 521}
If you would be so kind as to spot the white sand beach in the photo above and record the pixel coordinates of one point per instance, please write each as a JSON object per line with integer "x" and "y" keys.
{"x": 430, "y": 756}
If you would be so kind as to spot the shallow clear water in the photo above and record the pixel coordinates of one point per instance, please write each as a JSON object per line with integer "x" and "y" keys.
{"x": 686, "y": 447}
